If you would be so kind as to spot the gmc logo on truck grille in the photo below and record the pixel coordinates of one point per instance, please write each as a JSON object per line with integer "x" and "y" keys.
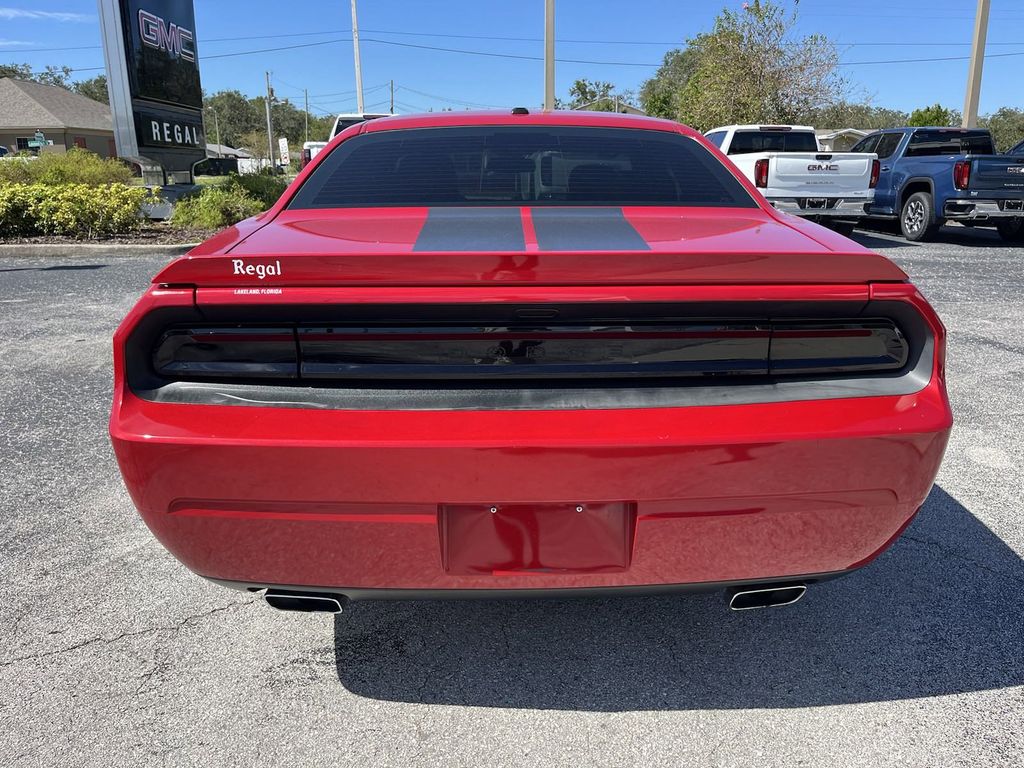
{"x": 156, "y": 33}
{"x": 1019, "y": 169}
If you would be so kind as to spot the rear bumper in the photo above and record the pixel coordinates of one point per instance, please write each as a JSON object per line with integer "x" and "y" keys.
{"x": 979, "y": 210}
{"x": 832, "y": 208}
{"x": 354, "y": 500}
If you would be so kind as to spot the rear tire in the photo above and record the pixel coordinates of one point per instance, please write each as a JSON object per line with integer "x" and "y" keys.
{"x": 917, "y": 218}
{"x": 1011, "y": 230}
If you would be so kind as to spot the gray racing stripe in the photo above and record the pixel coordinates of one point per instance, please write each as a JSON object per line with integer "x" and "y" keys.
{"x": 585, "y": 229}
{"x": 472, "y": 229}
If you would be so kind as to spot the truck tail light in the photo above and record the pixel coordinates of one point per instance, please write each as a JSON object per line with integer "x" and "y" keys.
{"x": 876, "y": 169}
{"x": 761, "y": 173}
{"x": 962, "y": 174}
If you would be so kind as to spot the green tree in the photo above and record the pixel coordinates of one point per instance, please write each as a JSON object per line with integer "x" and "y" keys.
{"x": 255, "y": 142}
{"x": 235, "y": 116}
{"x": 94, "y": 88}
{"x": 660, "y": 95}
{"x": 845, "y": 114}
{"x": 752, "y": 67}
{"x": 59, "y": 76}
{"x": 596, "y": 96}
{"x": 936, "y": 115}
{"x": 1007, "y": 126}
{"x": 17, "y": 71}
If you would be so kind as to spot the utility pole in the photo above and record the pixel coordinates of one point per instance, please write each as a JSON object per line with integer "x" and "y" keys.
{"x": 977, "y": 62}
{"x": 359, "y": 69}
{"x": 549, "y": 54}
{"x": 270, "y": 125}
{"x": 305, "y": 93}
{"x": 392, "y": 97}
{"x": 216, "y": 128}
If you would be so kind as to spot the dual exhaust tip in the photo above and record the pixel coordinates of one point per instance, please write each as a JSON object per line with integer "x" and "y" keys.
{"x": 740, "y": 598}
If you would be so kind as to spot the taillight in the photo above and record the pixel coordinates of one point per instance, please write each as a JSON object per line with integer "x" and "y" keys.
{"x": 238, "y": 352}
{"x": 876, "y": 168}
{"x": 343, "y": 352}
{"x": 962, "y": 174}
{"x": 307, "y": 155}
{"x": 761, "y": 173}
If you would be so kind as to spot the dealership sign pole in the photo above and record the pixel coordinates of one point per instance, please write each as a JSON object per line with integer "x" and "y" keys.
{"x": 156, "y": 98}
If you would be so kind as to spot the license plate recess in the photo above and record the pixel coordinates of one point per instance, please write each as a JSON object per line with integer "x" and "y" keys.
{"x": 570, "y": 537}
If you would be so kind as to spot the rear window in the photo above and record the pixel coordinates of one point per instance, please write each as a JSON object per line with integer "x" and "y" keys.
{"x": 952, "y": 142}
{"x": 530, "y": 165}
{"x": 744, "y": 142}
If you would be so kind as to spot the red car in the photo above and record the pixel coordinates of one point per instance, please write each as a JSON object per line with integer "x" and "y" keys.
{"x": 510, "y": 353}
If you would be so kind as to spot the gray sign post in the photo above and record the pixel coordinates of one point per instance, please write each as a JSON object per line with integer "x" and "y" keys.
{"x": 153, "y": 79}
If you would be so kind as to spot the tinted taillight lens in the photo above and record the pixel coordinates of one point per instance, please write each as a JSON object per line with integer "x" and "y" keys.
{"x": 962, "y": 174}
{"x": 488, "y": 352}
{"x": 761, "y": 173}
{"x": 478, "y": 352}
{"x": 237, "y": 352}
{"x": 876, "y": 168}
{"x": 837, "y": 347}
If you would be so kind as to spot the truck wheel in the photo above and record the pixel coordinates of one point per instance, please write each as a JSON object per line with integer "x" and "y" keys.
{"x": 1011, "y": 230}
{"x": 917, "y": 219}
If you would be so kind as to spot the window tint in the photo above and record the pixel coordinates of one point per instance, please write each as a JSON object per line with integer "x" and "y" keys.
{"x": 529, "y": 165}
{"x": 888, "y": 144}
{"x": 929, "y": 143}
{"x": 716, "y": 138}
{"x": 772, "y": 141}
{"x": 1017, "y": 150}
{"x": 867, "y": 144}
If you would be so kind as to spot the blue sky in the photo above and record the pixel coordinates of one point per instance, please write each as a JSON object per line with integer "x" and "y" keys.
{"x": 631, "y": 34}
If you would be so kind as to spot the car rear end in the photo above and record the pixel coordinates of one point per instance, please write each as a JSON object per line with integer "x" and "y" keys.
{"x": 492, "y": 393}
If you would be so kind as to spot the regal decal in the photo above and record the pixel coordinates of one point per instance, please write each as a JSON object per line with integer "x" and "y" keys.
{"x": 256, "y": 270}
{"x": 156, "y": 33}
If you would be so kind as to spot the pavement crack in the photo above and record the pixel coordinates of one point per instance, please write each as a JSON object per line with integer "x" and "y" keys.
{"x": 99, "y": 639}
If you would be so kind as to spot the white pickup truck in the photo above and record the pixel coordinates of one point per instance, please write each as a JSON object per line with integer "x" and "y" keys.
{"x": 790, "y": 169}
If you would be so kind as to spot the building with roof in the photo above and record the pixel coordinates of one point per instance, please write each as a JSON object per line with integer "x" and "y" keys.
{"x": 65, "y": 118}
{"x": 840, "y": 140}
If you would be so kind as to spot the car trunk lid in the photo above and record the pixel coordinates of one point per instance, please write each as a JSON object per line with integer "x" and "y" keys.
{"x": 532, "y": 246}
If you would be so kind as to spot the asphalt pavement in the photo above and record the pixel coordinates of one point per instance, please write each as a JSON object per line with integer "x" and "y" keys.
{"x": 113, "y": 654}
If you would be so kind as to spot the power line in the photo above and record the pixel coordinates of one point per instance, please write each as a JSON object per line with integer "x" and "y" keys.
{"x": 507, "y": 55}
{"x": 937, "y": 58}
{"x": 460, "y": 102}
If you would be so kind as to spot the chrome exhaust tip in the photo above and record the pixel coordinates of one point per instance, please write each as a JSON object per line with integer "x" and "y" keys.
{"x": 765, "y": 596}
{"x": 305, "y": 602}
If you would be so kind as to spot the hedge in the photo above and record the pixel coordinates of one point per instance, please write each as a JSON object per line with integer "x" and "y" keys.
{"x": 71, "y": 210}
{"x": 76, "y": 166}
{"x": 215, "y": 208}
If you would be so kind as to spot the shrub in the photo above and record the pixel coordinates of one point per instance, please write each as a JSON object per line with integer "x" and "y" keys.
{"x": 76, "y": 166}
{"x": 259, "y": 186}
{"x": 71, "y": 210}
{"x": 215, "y": 208}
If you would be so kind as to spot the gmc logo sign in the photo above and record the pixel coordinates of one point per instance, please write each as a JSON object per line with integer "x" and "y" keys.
{"x": 156, "y": 33}
{"x": 822, "y": 167}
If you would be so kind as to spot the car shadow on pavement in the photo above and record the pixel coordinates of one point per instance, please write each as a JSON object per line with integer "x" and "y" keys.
{"x": 942, "y": 612}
